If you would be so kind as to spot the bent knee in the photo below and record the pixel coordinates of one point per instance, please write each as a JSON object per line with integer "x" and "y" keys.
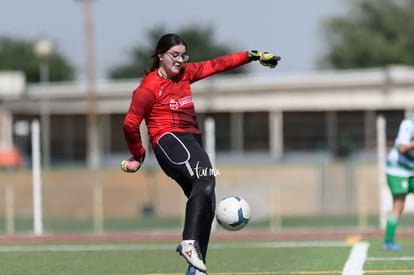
{"x": 205, "y": 186}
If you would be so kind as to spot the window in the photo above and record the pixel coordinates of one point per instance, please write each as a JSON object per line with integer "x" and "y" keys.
{"x": 256, "y": 131}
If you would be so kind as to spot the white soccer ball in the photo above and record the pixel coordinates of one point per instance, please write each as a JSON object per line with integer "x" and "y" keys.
{"x": 233, "y": 213}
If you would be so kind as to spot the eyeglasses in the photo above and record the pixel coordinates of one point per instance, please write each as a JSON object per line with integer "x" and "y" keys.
{"x": 176, "y": 56}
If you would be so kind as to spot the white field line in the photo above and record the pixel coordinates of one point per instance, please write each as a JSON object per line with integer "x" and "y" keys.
{"x": 298, "y": 244}
{"x": 380, "y": 259}
{"x": 355, "y": 263}
{"x": 152, "y": 246}
{"x": 83, "y": 247}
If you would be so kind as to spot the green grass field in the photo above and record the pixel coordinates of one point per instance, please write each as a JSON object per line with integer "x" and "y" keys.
{"x": 85, "y": 225}
{"x": 248, "y": 257}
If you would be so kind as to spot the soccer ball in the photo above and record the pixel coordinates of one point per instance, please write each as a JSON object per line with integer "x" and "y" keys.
{"x": 233, "y": 213}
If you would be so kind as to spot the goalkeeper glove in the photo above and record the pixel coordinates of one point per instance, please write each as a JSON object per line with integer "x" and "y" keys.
{"x": 266, "y": 59}
{"x": 132, "y": 165}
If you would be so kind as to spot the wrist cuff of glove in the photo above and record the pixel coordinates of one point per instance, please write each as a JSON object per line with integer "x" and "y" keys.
{"x": 254, "y": 55}
{"x": 140, "y": 159}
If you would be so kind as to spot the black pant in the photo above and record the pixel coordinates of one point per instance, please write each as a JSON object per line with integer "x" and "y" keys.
{"x": 182, "y": 157}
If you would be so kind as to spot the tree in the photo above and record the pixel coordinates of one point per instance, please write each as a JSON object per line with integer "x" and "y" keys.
{"x": 201, "y": 46}
{"x": 16, "y": 54}
{"x": 374, "y": 33}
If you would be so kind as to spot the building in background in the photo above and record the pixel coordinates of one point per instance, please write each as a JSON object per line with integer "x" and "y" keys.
{"x": 274, "y": 116}
{"x": 12, "y": 86}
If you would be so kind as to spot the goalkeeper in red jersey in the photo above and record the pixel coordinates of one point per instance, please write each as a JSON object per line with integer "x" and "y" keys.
{"x": 164, "y": 100}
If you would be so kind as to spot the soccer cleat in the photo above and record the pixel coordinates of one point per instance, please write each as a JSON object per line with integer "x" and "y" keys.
{"x": 391, "y": 246}
{"x": 194, "y": 271}
{"x": 190, "y": 250}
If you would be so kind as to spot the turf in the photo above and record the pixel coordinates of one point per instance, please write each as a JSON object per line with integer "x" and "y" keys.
{"x": 224, "y": 258}
{"x": 86, "y": 225}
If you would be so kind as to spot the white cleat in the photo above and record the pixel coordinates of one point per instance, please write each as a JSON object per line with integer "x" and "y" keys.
{"x": 190, "y": 250}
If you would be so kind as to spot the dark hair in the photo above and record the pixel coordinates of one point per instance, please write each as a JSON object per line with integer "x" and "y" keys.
{"x": 164, "y": 44}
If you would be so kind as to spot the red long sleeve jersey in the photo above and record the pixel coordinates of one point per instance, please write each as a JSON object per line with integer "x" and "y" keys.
{"x": 166, "y": 104}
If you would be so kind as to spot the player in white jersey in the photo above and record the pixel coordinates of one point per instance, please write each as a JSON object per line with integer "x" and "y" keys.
{"x": 400, "y": 178}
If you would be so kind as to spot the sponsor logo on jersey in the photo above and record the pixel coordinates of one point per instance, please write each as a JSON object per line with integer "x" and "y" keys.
{"x": 175, "y": 104}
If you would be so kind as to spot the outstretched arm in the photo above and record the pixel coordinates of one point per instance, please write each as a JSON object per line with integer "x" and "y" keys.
{"x": 200, "y": 70}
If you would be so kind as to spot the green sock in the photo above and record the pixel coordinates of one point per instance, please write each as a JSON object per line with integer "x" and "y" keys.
{"x": 392, "y": 223}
